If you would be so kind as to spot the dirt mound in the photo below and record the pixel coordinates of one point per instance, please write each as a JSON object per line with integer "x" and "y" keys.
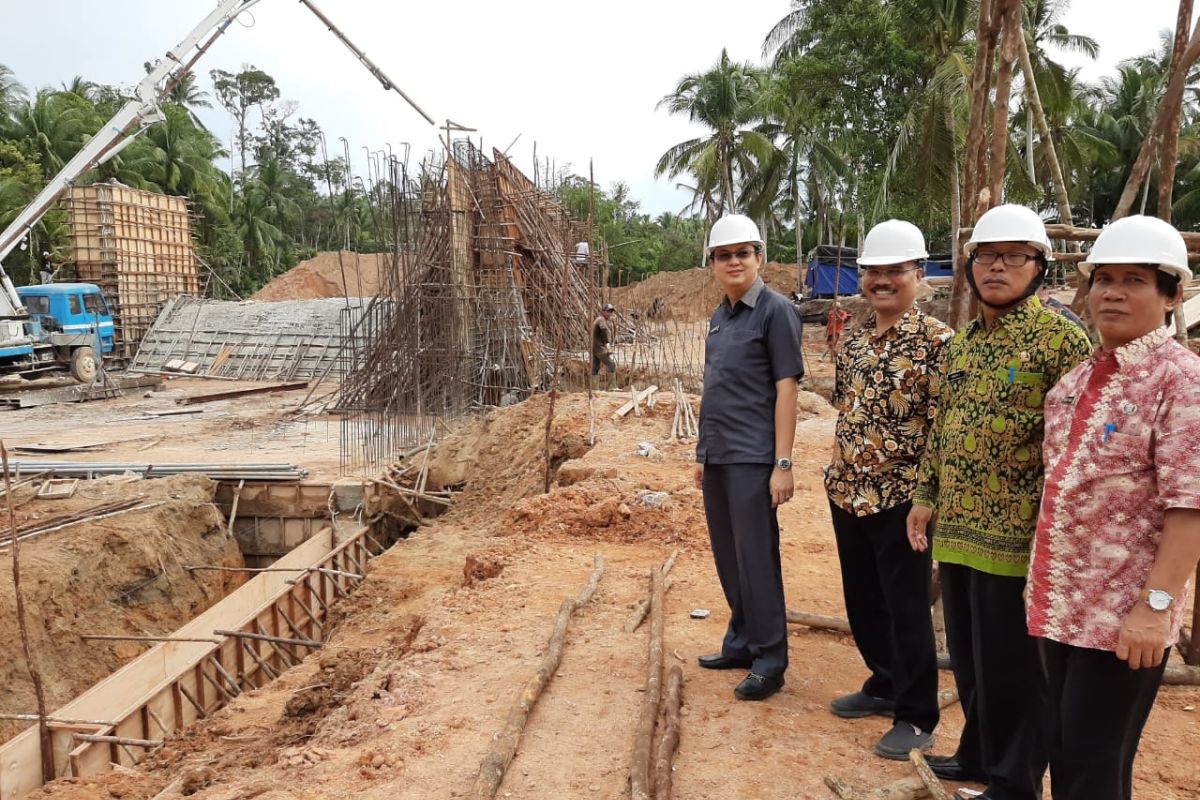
{"x": 116, "y": 575}
{"x": 691, "y": 294}
{"x": 321, "y": 276}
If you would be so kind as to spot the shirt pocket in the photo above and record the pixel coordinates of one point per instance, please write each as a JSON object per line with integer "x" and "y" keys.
{"x": 744, "y": 351}
{"x": 1123, "y": 453}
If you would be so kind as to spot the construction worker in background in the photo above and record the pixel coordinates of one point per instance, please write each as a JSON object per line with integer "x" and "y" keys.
{"x": 835, "y": 325}
{"x": 885, "y": 390}
{"x": 601, "y": 337}
{"x": 982, "y": 473}
{"x": 752, "y": 361}
{"x": 1119, "y": 530}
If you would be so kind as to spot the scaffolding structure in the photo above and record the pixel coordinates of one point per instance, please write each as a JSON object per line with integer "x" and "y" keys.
{"x": 497, "y": 295}
{"x": 137, "y": 247}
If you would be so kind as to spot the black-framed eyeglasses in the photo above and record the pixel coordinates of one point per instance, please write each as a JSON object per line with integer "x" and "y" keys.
{"x": 1012, "y": 260}
{"x": 891, "y": 273}
{"x": 741, "y": 254}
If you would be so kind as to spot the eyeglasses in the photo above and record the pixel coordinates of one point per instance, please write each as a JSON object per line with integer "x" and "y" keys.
{"x": 1011, "y": 260}
{"x": 743, "y": 254}
{"x": 891, "y": 273}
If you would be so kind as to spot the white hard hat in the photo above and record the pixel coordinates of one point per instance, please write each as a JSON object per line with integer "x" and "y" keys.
{"x": 892, "y": 242}
{"x": 1140, "y": 240}
{"x": 733, "y": 229}
{"x": 1011, "y": 223}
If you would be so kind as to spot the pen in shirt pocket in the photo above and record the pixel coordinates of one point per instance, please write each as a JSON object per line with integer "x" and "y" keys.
{"x": 1109, "y": 429}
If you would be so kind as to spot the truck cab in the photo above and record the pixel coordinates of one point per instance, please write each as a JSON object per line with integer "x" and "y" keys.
{"x": 71, "y": 325}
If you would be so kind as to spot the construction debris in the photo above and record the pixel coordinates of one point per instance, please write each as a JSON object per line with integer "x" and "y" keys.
{"x": 234, "y": 393}
{"x": 222, "y": 472}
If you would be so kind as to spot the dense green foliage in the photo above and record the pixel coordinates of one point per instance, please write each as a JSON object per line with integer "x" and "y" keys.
{"x": 863, "y": 108}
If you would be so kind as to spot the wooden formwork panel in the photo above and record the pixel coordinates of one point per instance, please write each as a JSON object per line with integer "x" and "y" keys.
{"x": 135, "y": 245}
{"x": 176, "y": 683}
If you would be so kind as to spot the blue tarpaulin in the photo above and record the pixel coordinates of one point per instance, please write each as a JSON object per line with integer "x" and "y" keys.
{"x": 938, "y": 266}
{"x": 824, "y": 278}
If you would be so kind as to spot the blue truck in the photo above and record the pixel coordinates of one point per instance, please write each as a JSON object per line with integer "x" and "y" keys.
{"x": 67, "y": 326}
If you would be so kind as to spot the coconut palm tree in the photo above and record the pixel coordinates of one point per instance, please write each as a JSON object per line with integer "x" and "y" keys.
{"x": 726, "y": 101}
{"x": 54, "y": 126}
{"x": 12, "y": 93}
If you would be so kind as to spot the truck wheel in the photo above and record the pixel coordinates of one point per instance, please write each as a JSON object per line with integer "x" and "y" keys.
{"x": 83, "y": 364}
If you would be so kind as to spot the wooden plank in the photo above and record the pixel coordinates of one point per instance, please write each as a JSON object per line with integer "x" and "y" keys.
{"x": 233, "y": 393}
{"x": 1191, "y": 312}
{"x": 641, "y": 398}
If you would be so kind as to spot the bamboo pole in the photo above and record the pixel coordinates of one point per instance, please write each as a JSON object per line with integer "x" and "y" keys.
{"x": 1011, "y": 27}
{"x": 668, "y": 741}
{"x": 35, "y": 675}
{"x": 639, "y": 769}
{"x": 504, "y": 744}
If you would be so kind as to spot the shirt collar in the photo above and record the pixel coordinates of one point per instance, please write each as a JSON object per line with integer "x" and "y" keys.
{"x": 750, "y": 297}
{"x": 903, "y": 324}
{"x": 1015, "y": 319}
{"x": 1131, "y": 355}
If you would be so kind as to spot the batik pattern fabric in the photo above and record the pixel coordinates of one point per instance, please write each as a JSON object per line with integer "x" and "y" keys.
{"x": 885, "y": 391}
{"x": 1122, "y": 447}
{"x": 982, "y": 469}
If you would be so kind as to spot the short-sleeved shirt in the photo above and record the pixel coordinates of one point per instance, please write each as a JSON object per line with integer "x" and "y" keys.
{"x": 751, "y": 345}
{"x": 885, "y": 390}
{"x": 982, "y": 468}
{"x": 1122, "y": 447}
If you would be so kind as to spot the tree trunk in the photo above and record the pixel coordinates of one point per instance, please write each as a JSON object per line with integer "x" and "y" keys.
{"x": 955, "y": 315}
{"x": 981, "y": 85}
{"x": 1170, "y": 144}
{"x": 1008, "y": 55}
{"x": 1169, "y": 106}
{"x": 1039, "y": 115}
{"x": 799, "y": 221}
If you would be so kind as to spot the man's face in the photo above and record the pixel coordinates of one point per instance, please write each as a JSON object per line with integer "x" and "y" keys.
{"x": 1126, "y": 303}
{"x": 1004, "y": 270}
{"x": 736, "y": 266}
{"x": 892, "y": 288}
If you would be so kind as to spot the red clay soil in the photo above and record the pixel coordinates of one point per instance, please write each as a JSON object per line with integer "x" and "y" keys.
{"x": 692, "y": 294}
{"x": 432, "y": 649}
{"x": 321, "y": 276}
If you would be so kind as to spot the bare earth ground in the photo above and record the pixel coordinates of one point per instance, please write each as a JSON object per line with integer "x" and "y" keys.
{"x": 423, "y": 667}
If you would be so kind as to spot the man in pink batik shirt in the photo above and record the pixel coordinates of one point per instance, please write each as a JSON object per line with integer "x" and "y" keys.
{"x": 1119, "y": 530}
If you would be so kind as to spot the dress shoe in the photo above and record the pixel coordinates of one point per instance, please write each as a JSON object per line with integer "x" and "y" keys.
{"x": 861, "y": 704}
{"x": 901, "y": 740}
{"x": 758, "y": 687}
{"x": 718, "y": 661}
{"x": 948, "y": 769}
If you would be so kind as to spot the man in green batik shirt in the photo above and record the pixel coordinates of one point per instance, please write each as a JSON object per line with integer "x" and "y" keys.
{"x": 982, "y": 473}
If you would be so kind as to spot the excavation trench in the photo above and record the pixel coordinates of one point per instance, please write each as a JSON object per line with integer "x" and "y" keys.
{"x": 147, "y": 620}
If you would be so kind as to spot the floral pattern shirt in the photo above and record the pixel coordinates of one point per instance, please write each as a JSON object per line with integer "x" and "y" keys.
{"x": 982, "y": 468}
{"x": 1122, "y": 446}
{"x": 885, "y": 391}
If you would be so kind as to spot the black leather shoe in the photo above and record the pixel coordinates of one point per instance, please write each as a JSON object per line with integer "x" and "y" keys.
{"x": 718, "y": 661}
{"x": 861, "y": 704}
{"x": 948, "y": 769}
{"x": 757, "y": 687}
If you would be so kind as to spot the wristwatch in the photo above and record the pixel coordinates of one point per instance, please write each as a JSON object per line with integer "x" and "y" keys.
{"x": 783, "y": 463}
{"x": 1157, "y": 599}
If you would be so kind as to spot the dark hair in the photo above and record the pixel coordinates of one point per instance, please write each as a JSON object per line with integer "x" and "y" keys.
{"x": 1167, "y": 284}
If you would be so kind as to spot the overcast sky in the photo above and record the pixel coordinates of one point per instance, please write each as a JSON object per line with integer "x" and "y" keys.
{"x": 579, "y": 79}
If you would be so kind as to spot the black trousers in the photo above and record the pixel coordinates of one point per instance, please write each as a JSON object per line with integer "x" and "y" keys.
{"x": 744, "y": 532}
{"x": 1098, "y": 707}
{"x": 1000, "y": 681}
{"x": 886, "y": 586}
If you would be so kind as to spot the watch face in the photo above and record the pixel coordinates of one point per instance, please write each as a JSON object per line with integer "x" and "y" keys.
{"x": 1159, "y": 600}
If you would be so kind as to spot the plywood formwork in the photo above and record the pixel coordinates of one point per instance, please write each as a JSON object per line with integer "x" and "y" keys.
{"x": 176, "y": 683}
{"x": 137, "y": 247}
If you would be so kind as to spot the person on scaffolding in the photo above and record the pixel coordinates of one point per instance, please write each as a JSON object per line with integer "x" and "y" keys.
{"x": 601, "y": 337}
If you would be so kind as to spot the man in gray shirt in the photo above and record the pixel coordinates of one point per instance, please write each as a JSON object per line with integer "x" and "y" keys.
{"x": 752, "y": 361}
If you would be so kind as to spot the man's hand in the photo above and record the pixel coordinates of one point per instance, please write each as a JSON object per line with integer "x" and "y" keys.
{"x": 1142, "y": 640}
{"x": 698, "y": 476}
{"x": 782, "y": 486}
{"x": 918, "y": 522}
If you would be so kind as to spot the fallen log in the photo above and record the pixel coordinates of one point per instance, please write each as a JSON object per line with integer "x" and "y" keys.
{"x": 903, "y": 789}
{"x": 639, "y": 770}
{"x": 669, "y": 735}
{"x": 639, "y": 613}
{"x": 932, "y": 784}
{"x": 819, "y": 621}
{"x": 504, "y": 744}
